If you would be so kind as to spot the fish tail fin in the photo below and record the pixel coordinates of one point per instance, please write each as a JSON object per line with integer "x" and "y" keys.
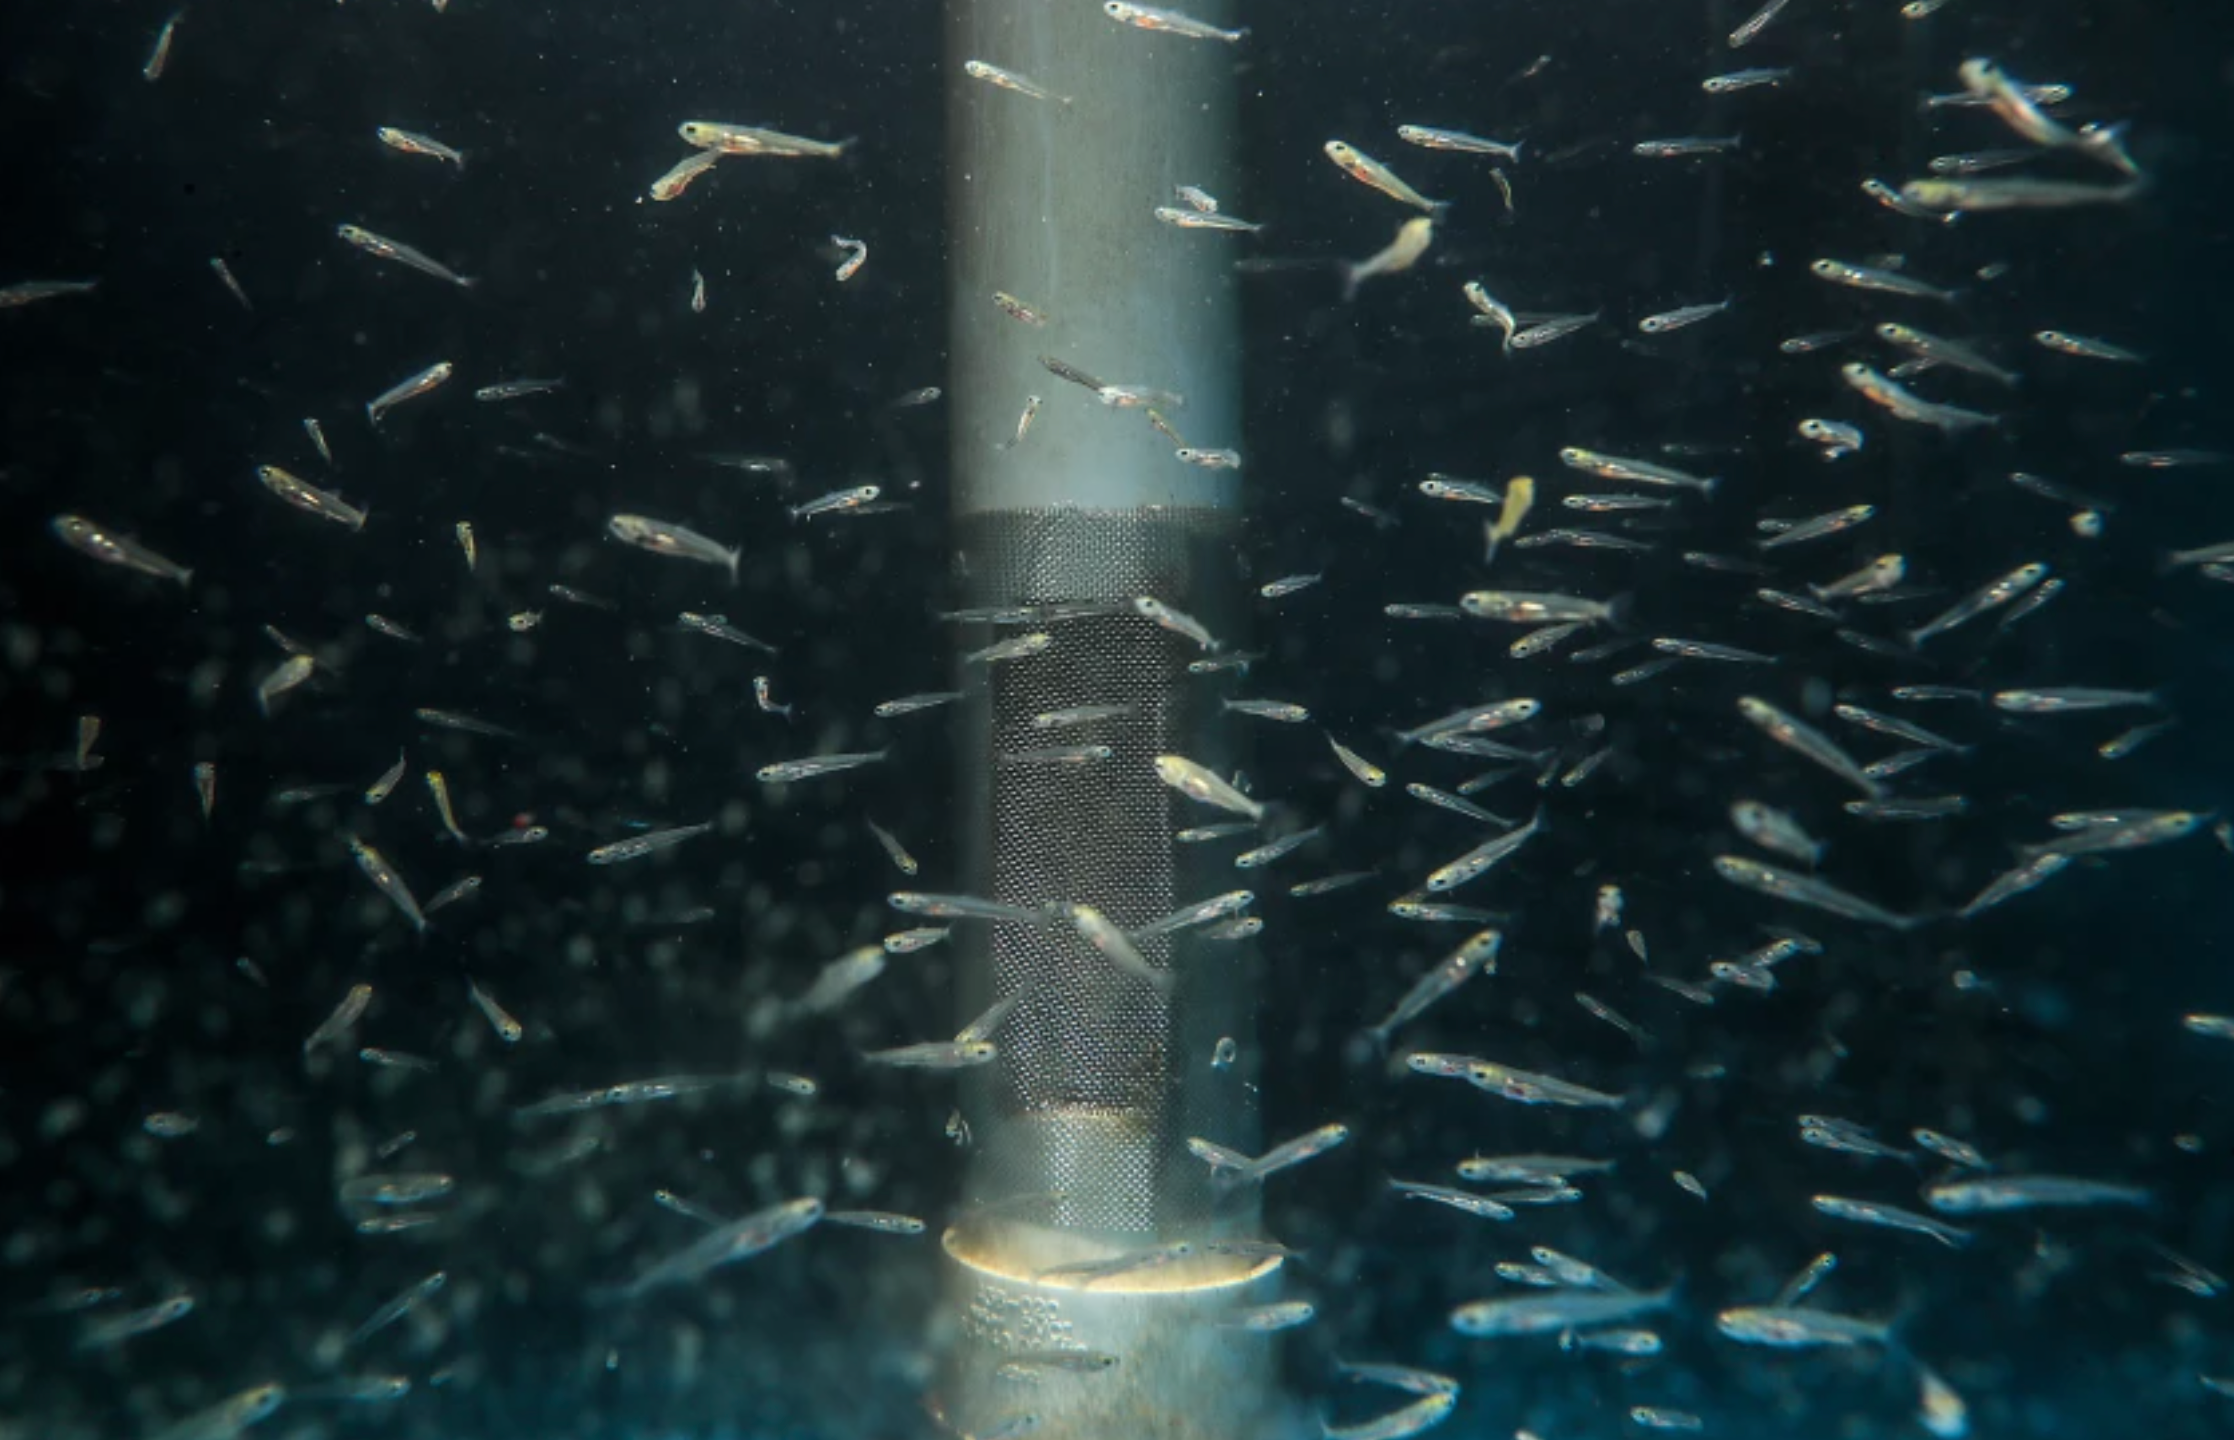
{"x": 732, "y": 557}
{"x": 1351, "y": 275}
{"x": 1894, "y": 1324}
{"x": 1617, "y": 614}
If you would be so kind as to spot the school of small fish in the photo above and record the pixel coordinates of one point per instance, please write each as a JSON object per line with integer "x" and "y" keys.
{"x": 1735, "y": 709}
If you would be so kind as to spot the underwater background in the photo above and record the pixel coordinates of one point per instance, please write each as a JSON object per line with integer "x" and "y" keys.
{"x": 165, "y": 1132}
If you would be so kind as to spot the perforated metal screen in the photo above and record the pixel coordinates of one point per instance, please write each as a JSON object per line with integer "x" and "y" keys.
{"x": 1101, "y": 1079}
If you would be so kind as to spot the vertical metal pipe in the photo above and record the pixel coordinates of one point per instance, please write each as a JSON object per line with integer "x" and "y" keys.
{"x": 1080, "y": 1125}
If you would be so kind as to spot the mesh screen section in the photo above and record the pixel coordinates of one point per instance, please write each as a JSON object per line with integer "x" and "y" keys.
{"x": 1101, "y": 1078}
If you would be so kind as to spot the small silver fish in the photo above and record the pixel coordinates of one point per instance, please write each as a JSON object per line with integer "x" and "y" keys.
{"x": 1480, "y": 1206}
{"x": 963, "y": 907}
{"x": 936, "y": 1055}
{"x": 287, "y": 675}
{"x": 884, "y": 1222}
{"x": 1672, "y": 320}
{"x": 1945, "y": 352}
{"x": 1818, "y": 526}
{"x": 837, "y": 502}
{"x": 1177, "y": 621}
{"x": 309, "y": 498}
{"x": 785, "y": 772}
{"x": 1016, "y": 647}
{"x": 1795, "y": 1328}
{"x": 102, "y": 544}
{"x": 1551, "y": 1313}
{"x": 1806, "y": 740}
{"x": 1479, "y": 861}
{"x": 1477, "y": 956}
{"x": 1420, "y": 1415}
{"x": 1807, "y": 890}
{"x": 402, "y": 254}
{"x": 410, "y": 1299}
{"x": 1642, "y": 472}
{"x": 1750, "y": 30}
{"x": 1289, "y": 584}
{"x": 1457, "y": 140}
{"x": 1097, "y": 930}
{"x": 1884, "y": 282}
{"x": 909, "y": 704}
{"x": 1199, "y": 783}
{"x": 2082, "y": 347}
{"x": 1526, "y": 1087}
{"x": 1978, "y": 602}
{"x": 678, "y": 542}
{"x": 638, "y": 846}
{"x": 229, "y": 1417}
{"x": 1686, "y": 147}
{"x": 409, "y": 143}
{"x": 1994, "y": 1194}
{"x": 408, "y": 388}
{"x": 1892, "y": 1217}
{"x": 1736, "y": 80}
{"x": 840, "y": 978}
{"x": 114, "y": 1330}
{"x": 1266, "y": 1319}
{"x": 1191, "y": 219}
{"x": 2067, "y": 699}
{"x": 344, "y": 1017}
{"x": 1168, "y": 22}
{"x": 1366, "y": 170}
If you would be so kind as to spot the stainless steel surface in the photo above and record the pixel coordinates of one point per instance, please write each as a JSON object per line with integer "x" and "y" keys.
{"x": 1179, "y": 1374}
{"x": 1081, "y": 1124}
